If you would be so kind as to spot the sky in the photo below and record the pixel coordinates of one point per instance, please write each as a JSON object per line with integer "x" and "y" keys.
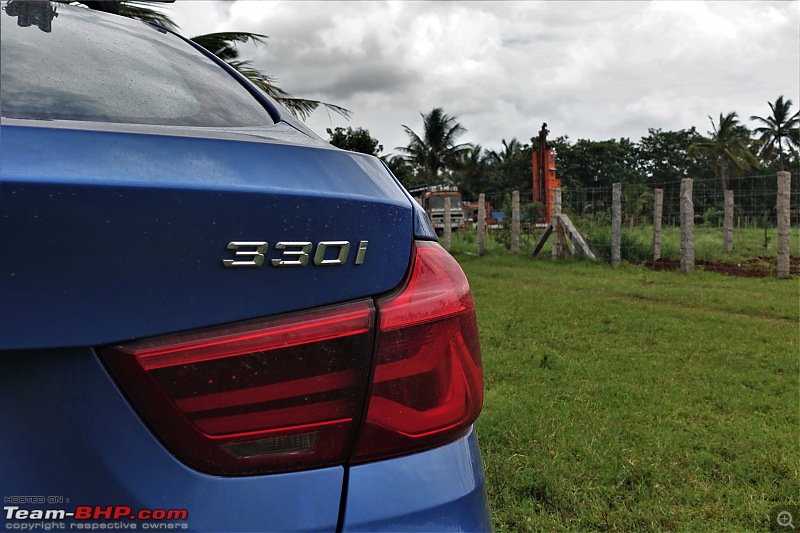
{"x": 590, "y": 70}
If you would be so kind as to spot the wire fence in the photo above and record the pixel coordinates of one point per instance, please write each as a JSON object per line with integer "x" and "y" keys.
{"x": 753, "y": 231}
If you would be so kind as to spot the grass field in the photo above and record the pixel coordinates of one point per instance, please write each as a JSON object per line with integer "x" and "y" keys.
{"x": 632, "y": 400}
{"x": 748, "y": 243}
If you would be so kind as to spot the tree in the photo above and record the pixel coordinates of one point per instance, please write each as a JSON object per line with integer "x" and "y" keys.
{"x": 355, "y": 140}
{"x": 472, "y": 176}
{"x": 512, "y": 169}
{"x": 436, "y": 150}
{"x": 403, "y": 171}
{"x": 134, "y": 9}
{"x": 727, "y": 145}
{"x": 663, "y": 156}
{"x": 776, "y": 129}
{"x": 593, "y": 164}
{"x": 223, "y": 45}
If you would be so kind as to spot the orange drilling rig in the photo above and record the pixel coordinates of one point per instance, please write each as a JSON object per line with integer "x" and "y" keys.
{"x": 544, "y": 175}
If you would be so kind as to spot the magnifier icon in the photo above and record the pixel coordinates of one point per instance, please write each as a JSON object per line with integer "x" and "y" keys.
{"x": 784, "y": 519}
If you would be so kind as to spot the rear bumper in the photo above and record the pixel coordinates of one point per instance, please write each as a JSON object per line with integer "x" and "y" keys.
{"x": 437, "y": 490}
{"x": 70, "y": 436}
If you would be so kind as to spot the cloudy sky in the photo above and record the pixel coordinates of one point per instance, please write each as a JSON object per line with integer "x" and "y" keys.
{"x": 592, "y": 70}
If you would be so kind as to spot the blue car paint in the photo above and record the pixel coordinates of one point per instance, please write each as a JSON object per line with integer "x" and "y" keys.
{"x": 437, "y": 490}
{"x": 88, "y": 444}
{"x": 69, "y": 432}
{"x": 121, "y": 245}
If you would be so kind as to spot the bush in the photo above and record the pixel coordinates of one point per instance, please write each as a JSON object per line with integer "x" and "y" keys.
{"x": 713, "y": 216}
{"x": 599, "y": 237}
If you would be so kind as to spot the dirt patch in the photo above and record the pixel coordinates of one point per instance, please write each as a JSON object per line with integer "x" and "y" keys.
{"x": 757, "y": 267}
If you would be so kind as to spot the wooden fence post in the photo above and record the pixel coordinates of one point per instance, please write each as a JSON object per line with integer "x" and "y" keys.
{"x": 514, "y": 222}
{"x": 728, "y": 221}
{"x": 481, "y": 224}
{"x": 784, "y": 228}
{"x": 447, "y": 230}
{"x": 658, "y": 209}
{"x": 687, "y": 226}
{"x": 616, "y": 224}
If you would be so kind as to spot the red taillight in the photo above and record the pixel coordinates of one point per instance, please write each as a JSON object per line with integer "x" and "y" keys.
{"x": 262, "y": 396}
{"x": 289, "y": 393}
{"x": 428, "y": 384}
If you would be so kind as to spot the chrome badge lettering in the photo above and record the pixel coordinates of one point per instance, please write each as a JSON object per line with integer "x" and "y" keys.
{"x": 293, "y": 253}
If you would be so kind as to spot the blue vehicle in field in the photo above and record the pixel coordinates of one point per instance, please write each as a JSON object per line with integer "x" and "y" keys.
{"x": 211, "y": 319}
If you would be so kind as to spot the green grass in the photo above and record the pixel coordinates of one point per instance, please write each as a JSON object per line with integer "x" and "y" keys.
{"x": 631, "y": 400}
{"x": 709, "y": 242}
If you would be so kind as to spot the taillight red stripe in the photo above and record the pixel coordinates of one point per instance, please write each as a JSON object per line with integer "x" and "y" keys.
{"x": 285, "y": 418}
{"x": 267, "y": 393}
{"x": 247, "y": 436}
{"x": 219, "y": 343}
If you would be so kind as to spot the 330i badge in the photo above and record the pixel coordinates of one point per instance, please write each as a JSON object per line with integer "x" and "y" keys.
{"x": 252, "y": 253}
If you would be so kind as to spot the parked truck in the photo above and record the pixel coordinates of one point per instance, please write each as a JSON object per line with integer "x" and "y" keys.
{"x": 431, "y": 198}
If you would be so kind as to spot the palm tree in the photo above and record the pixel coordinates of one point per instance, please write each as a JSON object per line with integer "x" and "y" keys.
{"x": 223, "y": 45}
{"x": 138, "y": 10}
{"x": 471, "y": 176}
{"x": 509, "y": 149}
{"x": 777, "y": 128}
{"x": 436, "y": 150}
{"x": 726, "y": 145}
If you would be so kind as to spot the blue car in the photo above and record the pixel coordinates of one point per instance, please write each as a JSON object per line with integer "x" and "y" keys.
{"x": 210, "y": 318}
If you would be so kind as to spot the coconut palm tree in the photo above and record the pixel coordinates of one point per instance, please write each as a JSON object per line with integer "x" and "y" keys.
{"x": 142, "y": 11}
{"x": 510, "y": 148}
{"x": 776, "y": 129}
{"x": 727, "y": 145}
{"x": 473, "y": 171}
{"x": 223, "y": 45}
{"x": 436, "y": 150}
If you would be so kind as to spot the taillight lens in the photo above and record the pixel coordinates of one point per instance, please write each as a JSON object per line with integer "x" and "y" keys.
{"x": 262, "y": 396}
{"x": 289, "y": 393}
{"x": 428, "y": 384}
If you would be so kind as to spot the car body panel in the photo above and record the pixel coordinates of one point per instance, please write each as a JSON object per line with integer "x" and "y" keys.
{"x": 443, "y": 489}
{"x": 69, "y": 432}
{"x": 125, "y": 233}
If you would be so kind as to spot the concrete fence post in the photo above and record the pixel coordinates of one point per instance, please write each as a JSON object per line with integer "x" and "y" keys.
{"x": 616, "y": 224}
{"x": 728, "y": 221}
{"x": 784, "y": 227}
{"x": 687, "y": 226}
{"x": 447, "y": 230}
{"x": 658, "y": 209}
{"x": 481, "y": 224}
{"x": 514, "y": 222}
{"x": 556, "y": 247}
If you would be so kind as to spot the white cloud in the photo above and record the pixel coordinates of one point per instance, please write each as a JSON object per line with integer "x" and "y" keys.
{"x": 593, "y": 70}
